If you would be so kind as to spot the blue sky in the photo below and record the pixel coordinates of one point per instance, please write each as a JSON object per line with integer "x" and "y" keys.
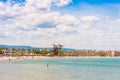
{"x": 92, "y": 7}
{"x": 95, "y": 2}
{"x": 81, "y": 24}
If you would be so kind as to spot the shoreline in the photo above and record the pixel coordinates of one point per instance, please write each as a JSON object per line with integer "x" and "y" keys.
{"x": 9, "y": 58}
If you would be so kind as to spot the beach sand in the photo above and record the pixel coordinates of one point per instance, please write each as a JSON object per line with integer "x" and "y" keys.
{"x": 9, "y": 58}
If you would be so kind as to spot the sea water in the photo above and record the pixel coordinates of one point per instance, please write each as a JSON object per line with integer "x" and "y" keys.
{"x": 61, "y": 69}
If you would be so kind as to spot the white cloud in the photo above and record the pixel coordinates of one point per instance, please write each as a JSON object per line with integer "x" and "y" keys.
{"x": 60, "y": 3}
{"x": 27, "y": 25}
{"x": 89, "y": 19}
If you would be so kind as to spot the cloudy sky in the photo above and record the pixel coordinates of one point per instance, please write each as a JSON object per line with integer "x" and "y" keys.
{"x": 81, "y": 24}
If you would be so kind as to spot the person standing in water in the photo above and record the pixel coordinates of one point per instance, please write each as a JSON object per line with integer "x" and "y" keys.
{"x": 47, "y": 65}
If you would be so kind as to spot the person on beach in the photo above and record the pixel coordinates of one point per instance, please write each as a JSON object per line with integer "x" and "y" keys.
{"x": 17, "y": 58}
{"x": 47, "y": 65}
{"x": 32, "y": 56}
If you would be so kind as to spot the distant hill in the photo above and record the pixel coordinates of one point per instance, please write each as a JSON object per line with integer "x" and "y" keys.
{"x": 68, "y": 49}
{"x": 29, "y": 47}
{"x": 20, "y": 47}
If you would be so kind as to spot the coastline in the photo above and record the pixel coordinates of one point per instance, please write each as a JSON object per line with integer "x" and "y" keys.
{"x": 9, "y": 58}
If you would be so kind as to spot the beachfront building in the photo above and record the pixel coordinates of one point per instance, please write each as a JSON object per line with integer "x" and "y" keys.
{"x": 117, "y": 53}
{"x": 113, "y": 53}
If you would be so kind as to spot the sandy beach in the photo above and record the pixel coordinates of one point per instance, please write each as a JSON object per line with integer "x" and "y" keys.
{"x": 9, "y": 58}
{"x": 4, "y": 58}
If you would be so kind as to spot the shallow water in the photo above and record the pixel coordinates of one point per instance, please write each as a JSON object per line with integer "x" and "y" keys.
{"x": 61, "y": 69}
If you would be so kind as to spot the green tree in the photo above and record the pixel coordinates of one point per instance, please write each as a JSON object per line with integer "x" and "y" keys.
{"x": 23, "y": 51}
{"x": 30, "y": 51}
{"x": 57, "y": 49}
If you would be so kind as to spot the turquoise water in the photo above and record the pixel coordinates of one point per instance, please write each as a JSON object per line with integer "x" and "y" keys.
{"x": 61, "y": 69}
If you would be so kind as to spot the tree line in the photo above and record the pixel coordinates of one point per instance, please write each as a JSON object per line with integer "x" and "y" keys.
{"x": 55, "y": 51}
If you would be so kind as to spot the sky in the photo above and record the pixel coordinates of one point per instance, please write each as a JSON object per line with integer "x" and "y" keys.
{"x": 79, "y": 24}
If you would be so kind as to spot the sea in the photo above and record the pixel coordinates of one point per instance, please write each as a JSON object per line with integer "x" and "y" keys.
{"x": 61, "y": 69}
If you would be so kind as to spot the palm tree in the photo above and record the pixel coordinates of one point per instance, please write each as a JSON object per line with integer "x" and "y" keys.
{"x": 18, "y": 51}
{"x": 14, "y": 51}
{"x": 45, "y": 51}
{"x": 29, "y": 51}
{"x": 23, "y": 51}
